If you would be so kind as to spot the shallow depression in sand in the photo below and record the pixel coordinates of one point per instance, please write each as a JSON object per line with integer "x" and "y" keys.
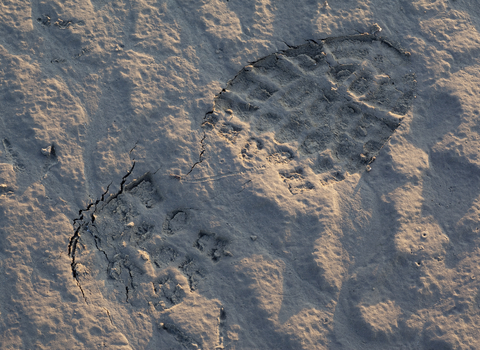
{"x": 145, "y": 253}
{"x": 324, "y": 108}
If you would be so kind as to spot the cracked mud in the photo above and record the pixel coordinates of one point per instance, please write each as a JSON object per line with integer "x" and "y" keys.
{"x": 317, "y": 113}
{"x": 141, "y": 251}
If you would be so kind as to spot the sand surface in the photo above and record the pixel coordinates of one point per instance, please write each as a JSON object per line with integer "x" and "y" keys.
{"x": 226, "y": 174}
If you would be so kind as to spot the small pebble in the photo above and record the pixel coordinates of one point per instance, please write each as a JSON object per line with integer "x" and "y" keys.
{"x": 47, "y": 151}
{"x": 375, "y": 28}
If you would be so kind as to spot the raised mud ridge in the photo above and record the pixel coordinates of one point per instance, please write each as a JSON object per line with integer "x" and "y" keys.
{"x": 318, "y": 111}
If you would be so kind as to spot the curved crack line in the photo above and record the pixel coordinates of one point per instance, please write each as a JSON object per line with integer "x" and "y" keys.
{"x": 82, "y": 223}
{"x": 200, "y": 156}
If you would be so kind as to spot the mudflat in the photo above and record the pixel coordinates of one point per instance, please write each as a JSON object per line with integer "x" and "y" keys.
{"x": 224, "y": 174}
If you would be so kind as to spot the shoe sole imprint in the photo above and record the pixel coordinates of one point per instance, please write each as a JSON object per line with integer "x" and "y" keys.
{"x": 131, "y": 247}
{"x": 327, "y": 108}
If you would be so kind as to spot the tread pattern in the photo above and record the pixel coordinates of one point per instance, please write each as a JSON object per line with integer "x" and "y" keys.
{"x": 327, "y": 108}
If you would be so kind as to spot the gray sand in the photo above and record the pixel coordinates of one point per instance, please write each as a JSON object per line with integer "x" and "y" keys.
{"x": 234, "y": 174}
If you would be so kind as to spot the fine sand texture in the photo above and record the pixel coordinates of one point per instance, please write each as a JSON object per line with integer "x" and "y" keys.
{"x": 241, "y": 175}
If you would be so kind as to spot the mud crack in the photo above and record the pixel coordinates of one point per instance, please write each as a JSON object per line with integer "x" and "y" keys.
{"x": 200, "y": 156}
{"x": 86, "y": 217}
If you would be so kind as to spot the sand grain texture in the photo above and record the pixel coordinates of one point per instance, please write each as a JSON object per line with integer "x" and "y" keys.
{"x": 225, "y": 174}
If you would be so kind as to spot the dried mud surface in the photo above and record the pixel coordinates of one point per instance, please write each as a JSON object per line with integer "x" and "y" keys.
{"x": 239, "y": 174}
